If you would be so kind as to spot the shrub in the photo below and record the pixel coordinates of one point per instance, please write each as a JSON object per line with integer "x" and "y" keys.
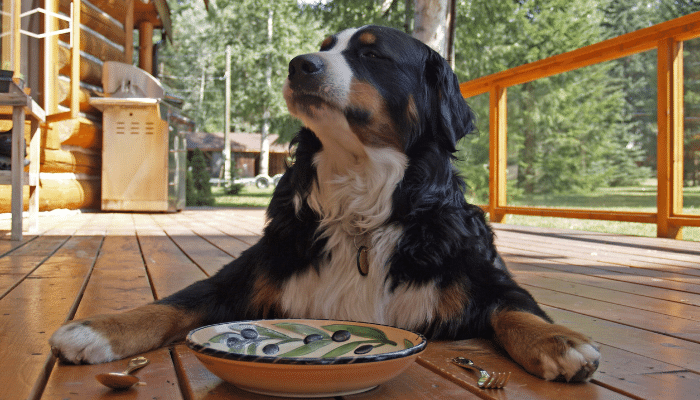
{"x": 198, "y": 186}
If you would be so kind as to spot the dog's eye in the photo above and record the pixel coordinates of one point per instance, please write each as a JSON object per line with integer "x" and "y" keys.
{"x": 370, "y": 54}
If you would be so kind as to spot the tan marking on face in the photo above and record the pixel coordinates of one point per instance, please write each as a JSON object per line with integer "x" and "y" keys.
{"x": 367, "y": 38}
{"x": 327, "y": 42}
{"x": 379, "y": 130}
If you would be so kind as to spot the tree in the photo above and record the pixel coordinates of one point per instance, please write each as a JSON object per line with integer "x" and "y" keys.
{"x": 199, "y": 50}
{"x": 434, "y": 25}
{"x": 198, "y": 186}
{"x": 559, "y": 128}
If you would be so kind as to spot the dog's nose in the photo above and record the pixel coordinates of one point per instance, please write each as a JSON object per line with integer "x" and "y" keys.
{"x": 305, "y": 65}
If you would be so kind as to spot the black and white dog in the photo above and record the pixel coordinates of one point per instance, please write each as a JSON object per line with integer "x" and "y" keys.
{"x": 369, "y": 224}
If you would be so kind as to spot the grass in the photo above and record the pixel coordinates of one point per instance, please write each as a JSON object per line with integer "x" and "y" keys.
{"x": 250, "y": 196}
{"x": 641, "y": 198}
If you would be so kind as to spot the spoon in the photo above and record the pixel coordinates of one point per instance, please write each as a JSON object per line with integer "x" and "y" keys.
{"x": 123, "y": 380}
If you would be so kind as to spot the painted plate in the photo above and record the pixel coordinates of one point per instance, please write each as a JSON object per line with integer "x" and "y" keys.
{"x": 305, "y": 357}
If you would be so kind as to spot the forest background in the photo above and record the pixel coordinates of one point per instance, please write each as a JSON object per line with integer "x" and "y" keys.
{"x": 571, "y": 133}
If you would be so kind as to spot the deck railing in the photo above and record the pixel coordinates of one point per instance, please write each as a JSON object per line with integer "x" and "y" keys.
{"x": 667, "y": 38}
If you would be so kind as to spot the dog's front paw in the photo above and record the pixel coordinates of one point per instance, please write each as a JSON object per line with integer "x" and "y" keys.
{"x": 549, "y": 351}
{"x": 566, "y": 356}
{"x": 78, "y": 343}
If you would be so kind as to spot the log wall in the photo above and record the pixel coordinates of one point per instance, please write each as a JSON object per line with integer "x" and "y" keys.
{"x": 71, "y": 158}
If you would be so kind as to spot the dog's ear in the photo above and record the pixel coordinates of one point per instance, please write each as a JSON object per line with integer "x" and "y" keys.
{"x": 453, "y": 118}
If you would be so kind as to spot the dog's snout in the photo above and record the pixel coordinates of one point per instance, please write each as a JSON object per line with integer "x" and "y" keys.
{"x": 305, "y": 65}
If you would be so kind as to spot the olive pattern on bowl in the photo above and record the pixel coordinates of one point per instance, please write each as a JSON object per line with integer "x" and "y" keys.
{"x": 297, "y": 340}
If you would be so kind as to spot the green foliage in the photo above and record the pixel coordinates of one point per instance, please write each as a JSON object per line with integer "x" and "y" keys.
{"x": 199, "y": 50}
{"x": 198, "y": 188}
{"x": 577, "y": 131}
{"x": 568, "y": 133}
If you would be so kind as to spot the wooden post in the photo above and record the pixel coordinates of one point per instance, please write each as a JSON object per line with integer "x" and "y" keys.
{"x": 50, "y": 56}
{"x": 227, "y": 118}
{"x": 498, "y": 155}
{"x": 75, "y": 62}
{"x": 129, "y": 32}
{"x": 146, "y": 46}
{"x": 7, "y": 40}
{"x": 670, "y": 137}
{"x": 16, "y": 38}
{"x": 17, "y": 201}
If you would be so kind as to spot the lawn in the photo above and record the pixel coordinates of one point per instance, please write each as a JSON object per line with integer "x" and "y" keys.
{"x": 250, "y": 196}
{"x": 642, "y": 198}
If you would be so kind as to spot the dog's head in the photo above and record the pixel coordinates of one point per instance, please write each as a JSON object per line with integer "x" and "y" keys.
{"x": 377, "y": 87}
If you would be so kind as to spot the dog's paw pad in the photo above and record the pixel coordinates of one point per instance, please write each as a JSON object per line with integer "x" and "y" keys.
{"x": 78, "y": 343}
{"x": 576, "y": 364}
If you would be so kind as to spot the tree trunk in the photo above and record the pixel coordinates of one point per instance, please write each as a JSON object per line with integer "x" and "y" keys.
{"x": 434, "y": 25}
{"x": 265, "y": 131}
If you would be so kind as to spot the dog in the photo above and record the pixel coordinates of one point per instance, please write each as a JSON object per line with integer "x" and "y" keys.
{"x": 369, "y": 223}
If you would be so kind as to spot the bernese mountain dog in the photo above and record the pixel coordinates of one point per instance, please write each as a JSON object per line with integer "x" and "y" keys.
{"x": 369, "y": 223}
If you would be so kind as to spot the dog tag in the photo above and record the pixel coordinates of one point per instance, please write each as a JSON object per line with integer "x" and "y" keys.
{"x": 363, "y": 260}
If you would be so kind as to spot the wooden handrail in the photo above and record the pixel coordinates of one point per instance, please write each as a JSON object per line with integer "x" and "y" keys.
{"x": 667, "y": 38}
{"x": 679, "y": 29}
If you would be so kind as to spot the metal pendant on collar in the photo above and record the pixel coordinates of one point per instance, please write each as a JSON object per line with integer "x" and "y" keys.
{"x": 363, "y": 260}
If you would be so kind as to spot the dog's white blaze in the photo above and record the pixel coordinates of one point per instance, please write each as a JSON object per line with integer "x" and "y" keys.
{"x": 356, "y": 202}
{"x": 337, "y": 69}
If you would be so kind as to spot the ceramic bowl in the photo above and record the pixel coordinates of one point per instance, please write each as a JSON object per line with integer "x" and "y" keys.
{"x": 304, "y": 357}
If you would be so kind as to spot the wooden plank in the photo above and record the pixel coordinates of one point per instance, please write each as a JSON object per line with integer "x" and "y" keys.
{"x": 417, "y": 382}
{"x": 169, "y": 268}
{"x": 669, "y": 248}
{"x": 119, "y": 282}
{"x": 585, "y": 276}
{"x": 245, "y": 225}
{"x": 522, "y": 385}
{"x": 34, "y": 309}
{"x": 207, "y": 257}
{"x": 592, "y": 291}
{"x": 76, "y": 382}
{"x": 607, "y": 260}
{"x": 645, "y": 378}
{"x": 7, "y": 245}
{"x": 682, "y": 354}
{"x": 669, "y": 325}
{"x": 231, "y": 245}
{"x": 684, "y": 266}
{"x": 16, "y": 266}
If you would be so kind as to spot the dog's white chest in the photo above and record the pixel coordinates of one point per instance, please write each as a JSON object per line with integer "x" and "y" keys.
{"x": 359, "y": 200}
{"x": 339, "y": 291}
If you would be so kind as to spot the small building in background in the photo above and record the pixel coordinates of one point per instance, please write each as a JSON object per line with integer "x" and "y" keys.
{"x": 245, "y": 153}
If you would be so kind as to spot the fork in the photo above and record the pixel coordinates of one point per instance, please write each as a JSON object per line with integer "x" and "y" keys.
{"x": 494, "y": 380}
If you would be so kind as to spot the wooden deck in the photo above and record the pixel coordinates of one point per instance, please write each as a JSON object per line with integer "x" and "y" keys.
{"x": 639, "y": 298}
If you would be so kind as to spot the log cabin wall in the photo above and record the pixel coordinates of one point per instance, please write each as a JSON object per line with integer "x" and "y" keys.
{"x": 72, "y": 137}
